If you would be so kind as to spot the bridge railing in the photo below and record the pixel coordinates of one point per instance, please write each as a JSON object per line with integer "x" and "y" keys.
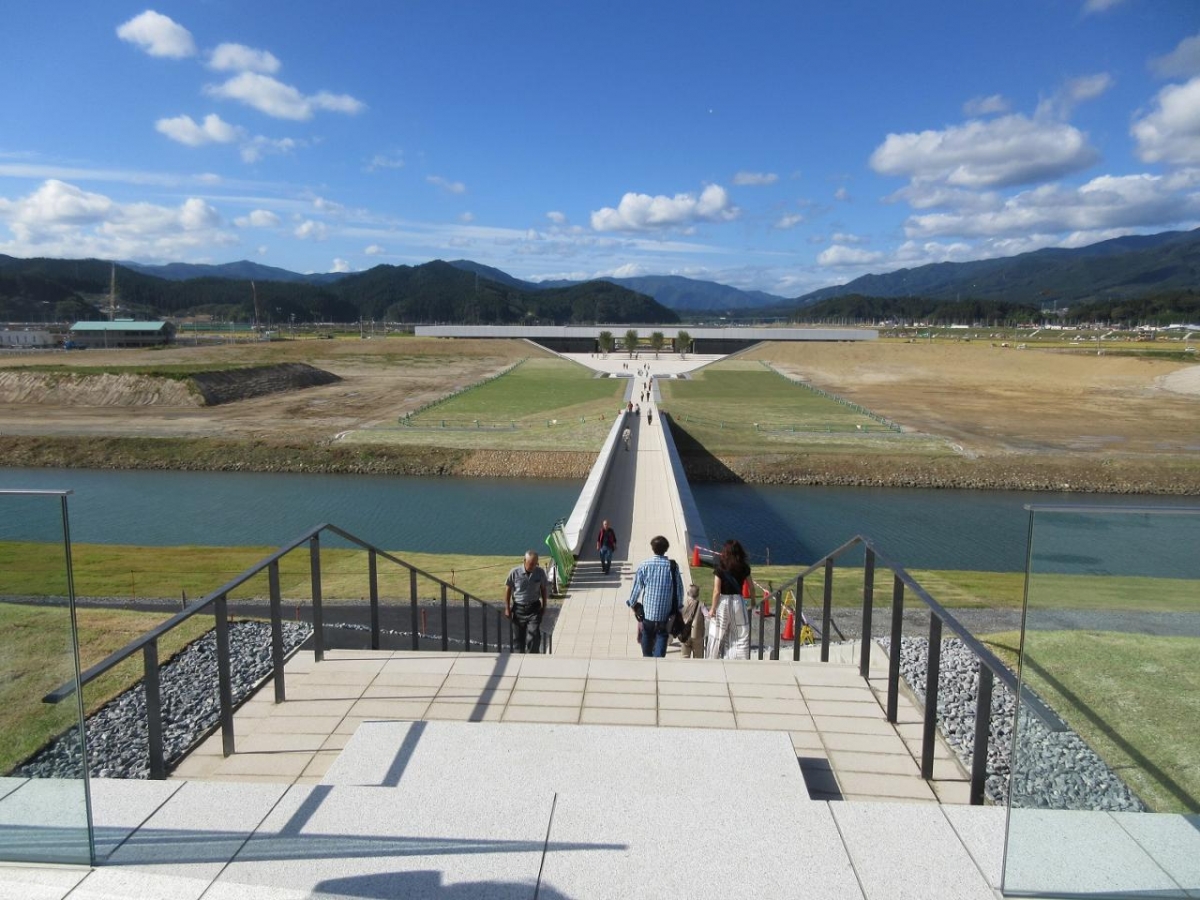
{"x": 216, "y": 603}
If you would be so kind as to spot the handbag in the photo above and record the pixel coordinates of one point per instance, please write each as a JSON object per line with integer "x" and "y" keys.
{"x": 680, "y": 630}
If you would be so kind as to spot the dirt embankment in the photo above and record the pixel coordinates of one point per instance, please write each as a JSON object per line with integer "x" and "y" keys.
{"x": 259, "y": 381}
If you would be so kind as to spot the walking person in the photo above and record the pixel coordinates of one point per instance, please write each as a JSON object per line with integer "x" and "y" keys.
{"x": 693, "y": 616}
{"x": 656, "y": 596}
{"x": 729, "y": 620}
{"x": 649, "y": 416}
{"x": 606, "y": 543}
{"x": 625, "y": 436}
{"x": 525, "y": 595}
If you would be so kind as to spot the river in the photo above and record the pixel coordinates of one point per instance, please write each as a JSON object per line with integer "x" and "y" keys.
{"x": 984, "y": 530}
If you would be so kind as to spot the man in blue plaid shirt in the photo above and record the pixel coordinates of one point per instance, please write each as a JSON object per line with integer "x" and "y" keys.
{"x": 658, "y": 590}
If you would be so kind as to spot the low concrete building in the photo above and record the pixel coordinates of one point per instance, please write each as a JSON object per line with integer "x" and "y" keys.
{"x": 121, "y": 333}
{"x": 26, "y": 339}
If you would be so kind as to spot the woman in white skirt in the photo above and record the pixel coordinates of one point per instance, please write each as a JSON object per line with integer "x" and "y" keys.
{"x": 729, "y": 620}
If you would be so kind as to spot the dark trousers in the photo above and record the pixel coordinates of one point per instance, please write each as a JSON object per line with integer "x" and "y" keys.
{"x": 654, "y": 637}
{"x": 525, "y": 629}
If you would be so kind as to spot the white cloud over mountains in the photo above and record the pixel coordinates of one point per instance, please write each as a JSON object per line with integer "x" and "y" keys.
{"x": 1182, "y": 62}
{"x": 1170, "y": 133}
{"x": 642, "y": 212}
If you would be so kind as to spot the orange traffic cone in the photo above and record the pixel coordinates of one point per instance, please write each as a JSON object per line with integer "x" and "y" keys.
{"x": 696, "y": 556}
{"x": 746, "y": 589}
{"x": 766, "y": 606}
{"x": 789, "y": 627}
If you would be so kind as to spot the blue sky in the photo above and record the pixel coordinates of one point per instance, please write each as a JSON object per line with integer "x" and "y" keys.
{"x": 779, "y": 146}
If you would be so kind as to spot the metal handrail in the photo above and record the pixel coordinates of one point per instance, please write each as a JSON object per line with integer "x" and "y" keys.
{"x": 990, "y": 669}
{"x": 218, "y": 601}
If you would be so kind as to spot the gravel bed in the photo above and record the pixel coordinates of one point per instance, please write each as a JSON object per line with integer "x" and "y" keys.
{"x": 1057, "y": 770}
{"x": 118, "y": 743}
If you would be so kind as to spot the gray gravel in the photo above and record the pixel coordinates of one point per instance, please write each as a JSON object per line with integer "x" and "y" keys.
{"x": 1054, "y": 770}
{"x": 118, "y": 744}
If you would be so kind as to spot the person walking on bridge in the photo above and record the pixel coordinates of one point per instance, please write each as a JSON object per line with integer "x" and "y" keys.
{"x": 729, "y": 622}
{"x": 606, "y": 543}
{"x": 658, "y": 592}
{"x": 525, "y": 597}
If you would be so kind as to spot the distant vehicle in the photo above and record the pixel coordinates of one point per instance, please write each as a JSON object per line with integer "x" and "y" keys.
{"x": 71, "y": 345}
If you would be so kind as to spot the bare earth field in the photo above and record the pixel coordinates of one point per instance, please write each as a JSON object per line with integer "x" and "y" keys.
{"x": 1038, "y": 419}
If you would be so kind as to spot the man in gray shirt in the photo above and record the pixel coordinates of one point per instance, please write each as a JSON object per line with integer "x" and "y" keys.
{"x": 525, "y": 595}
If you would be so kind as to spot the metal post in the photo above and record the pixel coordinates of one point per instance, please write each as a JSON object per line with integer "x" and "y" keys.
{"x": 799, "y": 619}
{"x": 983, "y": 724}
{"x": 827, "y": 610}
{"x": 894, "y": 649}
{"x": 276, "y": 631}
{"x": 762, "y": 624}
{"x": 158, "y": 766}
{"x": 483, "y": 624}
{"x": 776, "y": 598}
{"x": 445, "y": 621}
{"x": 373, "y": 581}
{"x": 467, "y": 622}
{"x": 412, "y": 594}
{"x": 931, "y": 696}
{"x": 224, "y": 676}
{"x": 500, "y": 632}
{"x": 864, "y": 660}
{"x": 314, "y": 554}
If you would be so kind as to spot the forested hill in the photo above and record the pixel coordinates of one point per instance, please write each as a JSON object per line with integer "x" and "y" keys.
{"x": 1120, "y": 269}
{"x": 35, "y": 290}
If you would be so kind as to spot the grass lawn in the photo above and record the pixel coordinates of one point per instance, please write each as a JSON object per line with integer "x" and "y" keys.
{"x": 36, "y": 660}
{"x": 1134, "y": 698}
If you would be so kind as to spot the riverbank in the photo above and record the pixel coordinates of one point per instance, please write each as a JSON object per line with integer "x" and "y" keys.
{"x": 1018, "y": 472}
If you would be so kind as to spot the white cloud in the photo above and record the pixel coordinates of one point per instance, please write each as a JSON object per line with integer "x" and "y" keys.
{"x": 327, "y": 206}
{"x": 1001, "y": 152}
{"x": 1170, "y": 133}
{"x": 467, "y": 217}
{"x": 374, "y": 250}
{"x": 1097, "y": 6}
{"x": 1062, "y": 102}
{"x": 311, "y": 230}
{"x": 379, "y": 161}
{"x": 259, "y": 146}
{"x": 259, "y": 218}
{"x": 786, "y": 222}
{"x": 279, "y": 100}
{"x": 1107, "y": 202}
{"x": 158, "y": 35}
{"x": 451, "y": 187}
{"x": 556, "y": 217}
{"x": 240, "y": 58}
{"x": 61, "y": 219}
{"x": 841, "y": 237}
{"x": 841, "y": 255}
{"x": 641, "y": 212}
{"x": 986, "y": 106}
{"x": 341, "y": 265}
{"x": 185, "y": 130}
{"x": 755, "y": 179}
{"x": 1182, "y": 62}
{"x": 842, "y": 194}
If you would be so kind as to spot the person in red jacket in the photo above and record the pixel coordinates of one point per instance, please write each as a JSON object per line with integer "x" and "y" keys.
{"x": 606, "y": 543}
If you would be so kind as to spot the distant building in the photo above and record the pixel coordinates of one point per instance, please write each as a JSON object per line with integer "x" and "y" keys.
{"x": 26, "y": 340}
{"x": 121, "y": 333}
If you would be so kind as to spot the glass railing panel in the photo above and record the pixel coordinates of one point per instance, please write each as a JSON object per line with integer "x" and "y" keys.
{"x": 1106, "y": 802}
{"x": 44, "y": 805}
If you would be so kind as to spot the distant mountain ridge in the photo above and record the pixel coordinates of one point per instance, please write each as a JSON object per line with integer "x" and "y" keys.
{"x": 1124, "y": 267}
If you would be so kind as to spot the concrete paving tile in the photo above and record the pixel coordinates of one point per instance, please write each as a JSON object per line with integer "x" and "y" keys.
{"x": 280, "y": 766}
{"x": 480, "y": 682}
{"x": 324, "y": 691}
{"x": 687, "y": 701}
{"x": 121, "y": 805}
{"x": 777, "y": 691}
{"x": 819, "y": 777}
{"x": 295, "y": 725}
{"x": 322, "y": 675}
{"x": 847, "y": 725}
{"x": 411, "y": 679}
{"x": 194, "y": 766}
{"x": 863, "y": 743}
{"x": 320, "y": 764}
{"x": 951, "y": 792}
{"x": 880, "y": 763}
{"x": 464, "y": 712}
{"x": 546, "y": 698}
{"x": 981, "y": 830}
{"x": 487, "y": 665}
{"x": 428, "y": 664}
{"x": 690, "y": 671}
{"x": 525, "y": 683}
{"x": 889, "y": 845}
{"x": 276, "y": 743}
{"x": 841, "y": 693}
{"x": 615, "y": 686}
{"x": 424, "y": 843}
{"x": 298, "y": 708}
{"x": 806, "y": 741}
{"x": 607, "y": 715}
{"x": 389, "y": 709}
{"x": 596, "y": 700}
{"x": 367, "y": 664}
{"x": 691, "y": 718}
{"x": 550, "y": 666}
{"x": 910, "y": 786}
{"x": 752, "y": 672}
{"x": 772, "y": 721}
{"x": 335, "y": 742}
{"x": 39, "y": 882}
{"x": 515, "y": 713}
{"x": 775, "y": 705}
{"x": 693, "y": 689}
{"x": 466, "y": 696}
{"x": 623, "y": 670}
{"x": 1080, "y": 853}
{"x": 398, "y": 692}
{"x": 1172, "y": 841}
{"x": 845, "y": 710}
{"x": 595, "y": 837}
